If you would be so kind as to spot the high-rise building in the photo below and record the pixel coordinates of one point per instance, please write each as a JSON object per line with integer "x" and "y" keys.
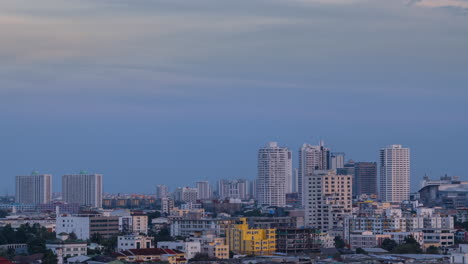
{"x": 311, "y": 158}
{"x": 394, "y": 173}
{"x": 167, "y": 205}
{"x": 365, "y": 178}
{"x": 34, "y": 189}
{"x": 161, "y": 191}
{"x": 84, "y": 189}
{"x": 274, "y": 175}
{"x": 186, "y": 194}
{"x": 253, "y": 189}
{"x": 328, "y": 199}
{"x": 233, "y": 189}
{"x": 203, "y": 190}
{"x": 337, "y": 160}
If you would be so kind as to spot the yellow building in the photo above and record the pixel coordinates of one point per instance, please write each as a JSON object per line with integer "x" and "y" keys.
{"x": 249, "y": 241}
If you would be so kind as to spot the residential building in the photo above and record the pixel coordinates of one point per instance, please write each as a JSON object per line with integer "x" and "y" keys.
{"x": 167, "y": 205}
{"x": 365, "y": 178}
{"x": 394, "y": 174}
{"x": 214, "y": 246}
{"x": 243, "y": 239}
{"x": 186, "y": 194}
{"x": 203, "y": 190}
{"x": 127, "y": 242}
{"x": 366, "y": 239}
{"x": 161, "y": 191}
{"x": 139, "y": 222}
{"x": 311, "y": 158}
{"x": 237, "y": 189}
{"x": 460, "y": 256}
{"x": 33, "y": 189}
{"x": 328, "y": 199}
{"x": 274, "y": 175}
{"x": 188, "y": 226}
{"x": 66, "y": 249}
{"x": 84, "y": 189}
{"x": 190, "y": 248}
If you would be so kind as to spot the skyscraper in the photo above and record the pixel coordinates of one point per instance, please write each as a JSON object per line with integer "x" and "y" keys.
{"x": 84, "y": 189}
{"x": 311, "y": 158}
{"x": 274, "y": 175}
{"x": 161, "y": 191}
{"x": 394, "y": 173}
{"x": 365, "y": 178}
{"x": 203, "y": 190}
{"x": 34, "y": 189}
{"x": 328, "y": 199}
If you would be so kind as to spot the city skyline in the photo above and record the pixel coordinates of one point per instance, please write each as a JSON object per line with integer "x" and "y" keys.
{"x": 187, "y": 91}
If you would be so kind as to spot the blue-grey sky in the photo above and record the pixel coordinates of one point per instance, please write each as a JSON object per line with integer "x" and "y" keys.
{"x": 153, "y": 92}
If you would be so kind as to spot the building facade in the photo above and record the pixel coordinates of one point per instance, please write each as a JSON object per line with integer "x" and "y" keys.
{"x": 203, "y": 190}
{"x": 84, "y": 189}
{"x": 311, "y": 158}
{"x": 274, "y": 175}
{"x": 33, "y": 189}
{"x": 127, "y": 242}
{"x": 237, "y": 189}
{"x": 328, "y": 199}
{"x": 365, "y": 178}
{"x": 243, "y": 239}
{"x": 394, "y": 174}
{"x": 161, "y": 191}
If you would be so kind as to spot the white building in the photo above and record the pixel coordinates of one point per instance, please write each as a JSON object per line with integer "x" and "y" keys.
{"x": 274, "y": 175}
{"x": 84, "y": 189}
{"x": 190, "y": 248}
{"x": 134, "y": 242}
{"x": 311, "y": 158}
{"x": 161, "y": 191}
{"x": 337, "y": 160}
{"x": 203, "y": 190}
{"x": 394, "y": 173}
{"x": 76, "y": 224}
{"x": 186, "y": 194}
{"x": 328, "y": 199}
{"x": 237, "y": 189}
{"x": 33, "y": 189}
{"x": 66, "y": 249}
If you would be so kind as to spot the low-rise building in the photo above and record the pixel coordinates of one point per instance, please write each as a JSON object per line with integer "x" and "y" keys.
{"x": 366, "y": 239}
{"x": 64, "y": 249}
{"x": 297, "y": 240}
{"x": 84, "y": 226}
{"x": 214, "y": 246}
{"x": 460, "y": 256}
{"x": 243, "y": 239}
{"x": 190, "y": 248}
{"x": 134, "y": 242}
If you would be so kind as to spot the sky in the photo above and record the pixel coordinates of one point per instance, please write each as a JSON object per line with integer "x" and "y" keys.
{"x": 170, "y": 92}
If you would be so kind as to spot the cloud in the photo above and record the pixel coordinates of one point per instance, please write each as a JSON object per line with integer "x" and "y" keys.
{"x": 441, "y": 3}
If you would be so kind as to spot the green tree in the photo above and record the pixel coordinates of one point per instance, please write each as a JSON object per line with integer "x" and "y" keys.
{"x": 49, "y": 257}
{"x": 72, "y": 236}
{"x": 96, "y": 238}
{"x": 389, "y": 244}
{"x": 410, "y": 246}
{"x": 432, "y": 250}
{"x": 3, "y": 213}
{"x": 201, "y": 257}
{"x": 339, "y": 243}
{"x": 163, "y": 235}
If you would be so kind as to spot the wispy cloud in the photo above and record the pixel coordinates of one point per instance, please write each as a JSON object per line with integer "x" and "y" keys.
{"x": 441, "y": 3}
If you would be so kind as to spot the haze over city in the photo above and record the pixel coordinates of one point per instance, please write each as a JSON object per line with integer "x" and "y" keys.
{"x": 171, "y": 92}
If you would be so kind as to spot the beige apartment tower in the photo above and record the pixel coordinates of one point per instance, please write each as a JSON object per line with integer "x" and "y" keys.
{"x": 394, "y": 174}
{"x": 328, "y": 199}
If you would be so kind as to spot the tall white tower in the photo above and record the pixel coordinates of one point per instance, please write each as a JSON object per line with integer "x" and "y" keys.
{"x": 84, "y": 189}
{"x": 161, "y": 191}
{"x": 394, "y": 173}
{"x": 274, "y": 175}
{"x": 204, "y": 190}
{"x": 33, "y": 189}
{"x": 311, "y": 158}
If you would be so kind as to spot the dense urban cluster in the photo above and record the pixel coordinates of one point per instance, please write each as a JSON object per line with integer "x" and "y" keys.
{"x": 326, "y": 210}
